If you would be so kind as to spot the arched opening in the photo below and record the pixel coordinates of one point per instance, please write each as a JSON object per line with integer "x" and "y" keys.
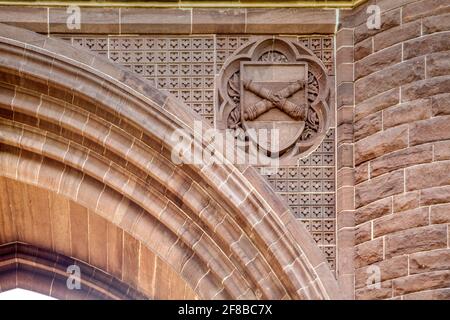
{"x": 22, "y": 294}
{"x": 80, "y": 127}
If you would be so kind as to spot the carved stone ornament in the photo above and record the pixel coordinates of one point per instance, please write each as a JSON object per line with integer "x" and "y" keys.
{"x": 274, "y": 83}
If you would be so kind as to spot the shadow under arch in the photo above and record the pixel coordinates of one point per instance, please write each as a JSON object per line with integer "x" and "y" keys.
{"x": 83, "y": 127}
{"x": 32, "y": 268}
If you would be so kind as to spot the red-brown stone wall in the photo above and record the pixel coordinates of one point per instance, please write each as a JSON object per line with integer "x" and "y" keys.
{"x": 393, "y": 89}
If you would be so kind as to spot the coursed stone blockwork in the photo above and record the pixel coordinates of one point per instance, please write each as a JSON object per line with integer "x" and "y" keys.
{"x": 393, "y": 86}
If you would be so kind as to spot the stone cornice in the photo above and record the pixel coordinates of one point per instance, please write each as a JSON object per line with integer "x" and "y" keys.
{"x": 134, "y": 20}
{"x": 196, "y": 4}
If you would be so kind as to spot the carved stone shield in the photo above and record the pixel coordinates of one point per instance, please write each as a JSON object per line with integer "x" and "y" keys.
{"x": 273, "y": 97}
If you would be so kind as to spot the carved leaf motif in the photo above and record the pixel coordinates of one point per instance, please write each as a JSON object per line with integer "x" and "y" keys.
{"x": 273, "y": 56}
{"x": 233, "y": 89}
{"x": 312, "y": 121}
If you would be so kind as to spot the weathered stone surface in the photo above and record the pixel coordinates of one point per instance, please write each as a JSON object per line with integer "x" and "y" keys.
{"x": 400, "y": 221}
{"x": 396, "y": 35}
{"x": 93, "y": 20}
{"x": 374, "y": 210}
{"x": 436, "y": 23}
{"x": 206, "y": 20}
{"x": 381, "y": 143}
{"x": 25, "y": 17}
{"x": 434, "y": 129}
{"x": 407, "y": 113}
{"x": 363, "y": 233}
{"x": 442, "y": 150}
{"x": 368, "y": 252}
{"x": 373, "y": 293}
{"x": 290, "y": 21}
{"x": 388, "y": 19}
{"x": 363, "y": 49}
{"x": 362, "y": 172}
{"x": 389, "y": 269}
{"x": 391, "y": 77}
{"x": 416, "y": 239}
{"x": 426, "y": 88}
{"x": 423, "y": 176}
{"x": 429, "y": 261}
{"x": 424, "y": 8}
{"x": 435, "y": 195}
{"x": 406, "y": 201}
{"x": 423, "y": 281}
{"x": 377, "y": 103}
{"x": 378, "y": 61}
{"x": 440, "y": 214}
{"x": 438, "y": 64}
{"x": 136, "y": 20}
{"x": 427, "y": 44}
{"x": 378, "y": 188}
{"x": 401, "y": 159}
{"x": 441, "y": 104}
{"x": 437, "y": 294}
{"x": 368, "y": 126}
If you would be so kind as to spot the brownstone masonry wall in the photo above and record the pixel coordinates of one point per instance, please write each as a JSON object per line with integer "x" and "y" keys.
{"x": 393, "y": 89}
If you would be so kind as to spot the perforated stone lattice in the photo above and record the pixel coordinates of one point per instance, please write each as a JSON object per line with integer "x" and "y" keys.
{"x": 186, "y": 66}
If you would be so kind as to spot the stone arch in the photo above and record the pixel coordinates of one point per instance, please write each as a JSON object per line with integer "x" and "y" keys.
{"x": 45, "y": 237}
{"x": 80, "y": 126}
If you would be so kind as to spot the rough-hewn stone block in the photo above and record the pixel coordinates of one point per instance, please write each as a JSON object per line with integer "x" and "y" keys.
{"x": 435, "y": 195}
{"x": 429, "y": 261}
{"x": 377, "y": 103}
{"x": 400, "y": 221}
{"x": 407, "y": 112}
{"x": 374, "y": 210}
{"x": 389, "y": 269}
{"x": 396, "y": 35}
{"x": 440, "y": 214}
{"x": 423, "y": 176}
{"x": 368, "y": 252}
{"x": 424, "y": 8}
{"x": 436, "y": 24}
{"x": 388, "y": 20}
{"x": 438, "y": 64}
{"x": 442, "y": 150}
{"x": 426, "y": 44}
{"x": 440, "y": 104}
{"x": 363, "y": 233}
{"x": 378, "y": 61}
{"x": 361, "y": 172}
{"x": 416, "y": 239}
{"x": 381, "y": 143}
{"x": 388, "y": 78}
{"x": 423, "y": 281}
{"x": 380, "y": 187}
{"x": 406, "y": 201}
{"x": 401, "y": 159}
{"x": 368, "y": 126}
{"x": 363, "y": 49}
{"x": 429, "y": 130}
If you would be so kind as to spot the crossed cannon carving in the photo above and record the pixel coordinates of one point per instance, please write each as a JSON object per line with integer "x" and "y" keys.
{"x": 275, "y": 100}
